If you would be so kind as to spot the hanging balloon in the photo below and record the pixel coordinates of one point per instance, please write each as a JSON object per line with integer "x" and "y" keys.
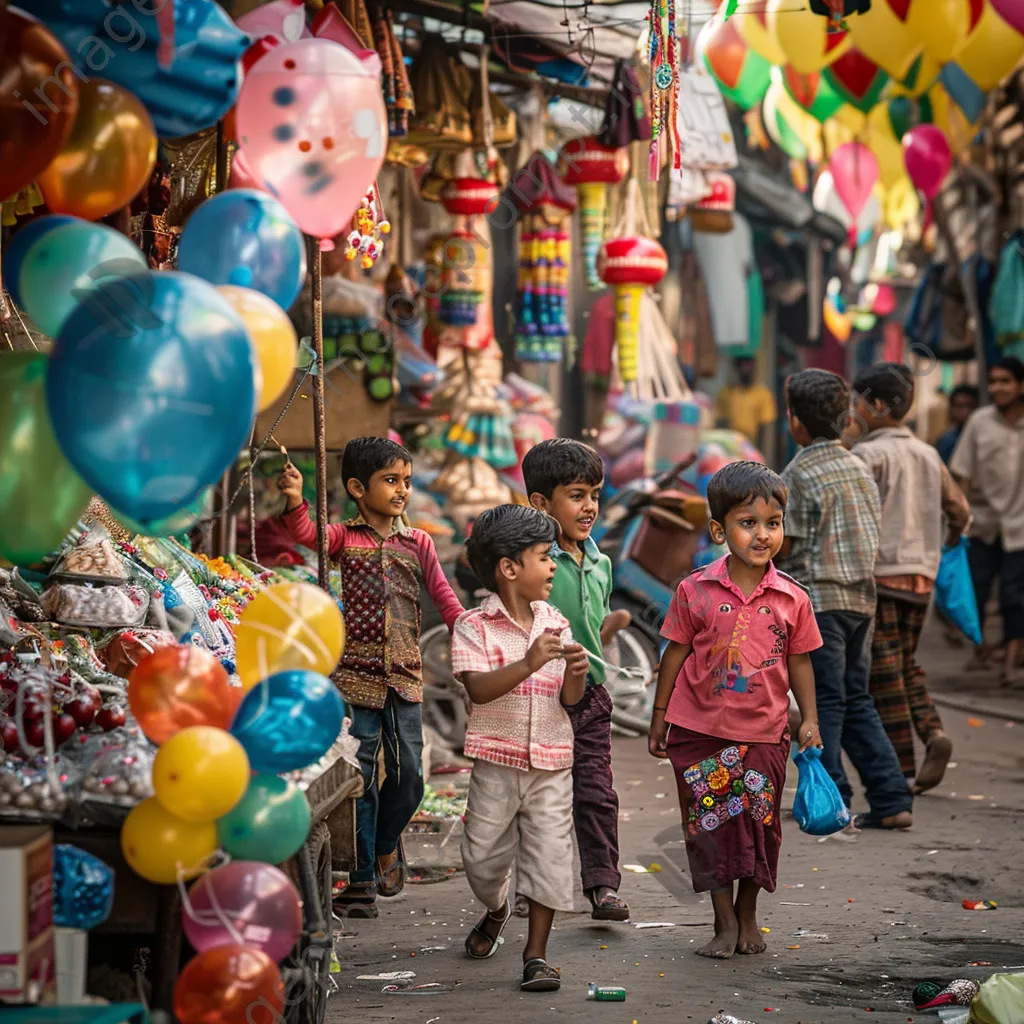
{"x": 826, "y": 199}
{"x": 923, "y": 74}
{"x": 192, "y": 92}
{"x": 948, "y": 115}
{"x": 273, "y": 338}
{"x": 778, "y": 128}
{"x": 38, "y": 99}
{"x": 880, "y": 138}
{"x": 41, "y": 496}
{"x": 884, "y": 34}
{"x": 244, "y": 901}
{"x": 901, "y": 205}
{"x": 289, "y": 721}
{"x": 108, "y": 157}
{"x": 284, "y": 21}
{"x": 245, "y": 238}
{"x": 288, "y": 626}
{"x": 77, "y": 269}
{"x": 200, "y": 773}
{"x": 313, "y": 128}
{"x": 182, "y": 521}
{"x": 17, "y": 249}
{"x": 902, "y": 113}
{"x": 854, "y": 171}
{"x": 928, "y": 158}
{"x": 1011, "y": 11}
{"x": 810, "y": 133}
{"x": 229, "y": 985}
{"x": 742, "y": 75}
{"x": 857, "y": 79}
{"x": 162, "y": 847}
{"x": 945, "y": 25}
{"x": 269, "y": 824}
{"x": 752, "y": 26}
{"x": 804, "y": 37}
{"x": 148, "y": 440}
{"x": 178, "y": 687}
{"x": 811, "y": 92}
{"x": 990, "y": 52}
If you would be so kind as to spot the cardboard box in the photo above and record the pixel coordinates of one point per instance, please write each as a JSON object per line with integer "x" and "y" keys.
{"x": 27, "y": 962}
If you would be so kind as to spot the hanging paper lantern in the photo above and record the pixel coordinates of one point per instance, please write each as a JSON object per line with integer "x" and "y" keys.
{"x": 466, "y": 264}
{"x": 928, "y": 158}
{"x": 804, "y": 37}
{"x": 752, "y": 26}
{"x": 779, "y": 130}
{"x": 990, "y": 52}
{"x": 857, "y": 79}
{"x": 591, "y": 168}
{"x": 631, "y": 265}
{"x": 741, "y": 74}
{"x": 811, "y": 92}
{"x": 944, "y": 26}
{"x": 884, "y": 34}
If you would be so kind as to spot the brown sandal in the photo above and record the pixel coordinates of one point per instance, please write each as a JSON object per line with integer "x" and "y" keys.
{"x": 540, "y": 976}
{"x": 937, "y": 755}
{"x": 391, "y": 880}
{"x": 609, "y": 908}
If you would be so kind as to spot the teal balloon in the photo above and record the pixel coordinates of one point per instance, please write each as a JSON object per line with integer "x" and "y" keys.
{"x": 18, "y": 247}
{"x": 63, "y": 269}
{"x": 269, "y": 824}
{"x": 182, "y": 521}
{"x": 41, "y": 496}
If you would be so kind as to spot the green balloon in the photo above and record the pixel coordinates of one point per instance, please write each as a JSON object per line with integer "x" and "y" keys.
{"x": 41, "y": 496}
{"x": 269, "y": 824}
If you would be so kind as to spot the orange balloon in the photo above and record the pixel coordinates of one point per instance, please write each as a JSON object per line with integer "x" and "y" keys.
{"x": 229, "y": 985}
{"x": 38, "y": 100}
{"x": 108, "y": 157}
{"x": 177, "y": 687}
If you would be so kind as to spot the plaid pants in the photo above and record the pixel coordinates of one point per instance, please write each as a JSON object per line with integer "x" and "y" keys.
{"x": 897, "y": 681}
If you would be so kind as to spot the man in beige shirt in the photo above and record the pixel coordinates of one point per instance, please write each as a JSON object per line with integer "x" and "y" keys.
{"x": 989, "y": 463}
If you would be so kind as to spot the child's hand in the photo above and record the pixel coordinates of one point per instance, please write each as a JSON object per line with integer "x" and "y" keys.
{"x": 658, "y": 736}
{"x": 577, "y": 664}
{"x": 613, "y": 624}
{"x": 289, "y": 483}
{"x": 809, "y": 735}
{"x": 547, "y": 647}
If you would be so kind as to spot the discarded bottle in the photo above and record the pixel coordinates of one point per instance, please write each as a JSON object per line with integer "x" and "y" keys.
{"x": 606, "y": 993}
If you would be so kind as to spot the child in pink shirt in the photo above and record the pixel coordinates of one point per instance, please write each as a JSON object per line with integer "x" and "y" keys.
{"x": 740, "y": 635}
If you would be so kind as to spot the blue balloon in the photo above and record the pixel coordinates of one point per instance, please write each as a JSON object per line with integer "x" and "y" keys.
{"x": 68, "y": 267}
{"x": 20, "y": 244}
{"x": 288, "y": 721}
{"x": 246, "y": 238}
{"x": 154, "y": 400}
{"x": 119, "y": 42}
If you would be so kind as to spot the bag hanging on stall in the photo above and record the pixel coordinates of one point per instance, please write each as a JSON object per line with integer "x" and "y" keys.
{"x": 818, "y": 808}
{"x": 954, "y": 591}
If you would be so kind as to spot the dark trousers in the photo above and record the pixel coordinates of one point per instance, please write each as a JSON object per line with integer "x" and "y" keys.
{"x": 848, "y": 718}
{"x": 595, "y": 805}
{"x": 385, "y": 808}
{"x": 988, "y": 561}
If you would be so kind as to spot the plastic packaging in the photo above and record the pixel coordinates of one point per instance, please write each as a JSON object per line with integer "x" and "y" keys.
{"x": 606, "y": 993}
{"x": 83, "y": 888}
{"x": 96, "y": 607}
{"x": 124, "y": 651}
{"x": 818, "y": 808}
{"x": 29, "y": 793}
{"x": 94, "y": 558}
{"x": 116, "y": 770}
{"x": 954, "y": 592}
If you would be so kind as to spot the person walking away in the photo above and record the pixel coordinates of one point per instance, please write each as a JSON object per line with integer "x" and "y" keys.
{"x": 384, "y": 564}
{"x": 832, "y": 523}
{"x": 747, "y": 406}
{"x": 989, "y": 463}
{"x": 917, "y": 493}
{"x": 515, "y": 656}
{"x": 564, "y": 479}
{"x": 963, "y": 400}
{"x": 740, "y": 634}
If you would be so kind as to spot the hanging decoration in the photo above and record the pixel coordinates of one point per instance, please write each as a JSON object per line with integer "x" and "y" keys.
{"x": 752, "y": 25}
{"x": 366, "y": 239}
{"x": 928, "y": 158}
{"x": 885, "y": 34}
{"x": 712, "y": 214}
{"x": 398, "y": 96}
{"x": 741, "y": 73}
{"x": 804, "y": 38}
{"x": 626, "y": 117}
{"x": 592, "y": 168}
{"x": 837, "y": 11}
{"x": 854, "y": 174}
{"x": 663, "y": 56}
{"x": 858, "y": 80}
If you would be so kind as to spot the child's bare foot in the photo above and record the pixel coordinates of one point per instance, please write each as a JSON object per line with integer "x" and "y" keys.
{"x": 749, "y": 942}
{"x": 727, "y": 928}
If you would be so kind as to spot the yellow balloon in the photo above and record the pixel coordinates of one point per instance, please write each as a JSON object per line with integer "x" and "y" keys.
{"x": 273, "y": 339}
{"x": 887, "y": 39}
{"x": 923, "y": 75}
{"x": 805, "y": 127}
{"x": 991, "y": 51}
{"x": 803, "y": 36}
{"x": 850, "y": 117}
{"x": 942, "y": 25}
{"x": 901, "y": 205}
{"x": 879, "y": 137}
{"x": 835, "y": 134}
{"x": 753, "y": 29}
{"x": 948, "y": 116}
{"x": 288, "y": 626}
{"x": 200, "y": 773}
{"x": 162, "y": 847}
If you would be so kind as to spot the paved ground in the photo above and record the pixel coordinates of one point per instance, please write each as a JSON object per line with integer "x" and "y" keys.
{"x": 883, "y": 911}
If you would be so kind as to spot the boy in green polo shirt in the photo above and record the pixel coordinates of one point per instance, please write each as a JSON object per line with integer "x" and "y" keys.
{"x": 564, "y": 478}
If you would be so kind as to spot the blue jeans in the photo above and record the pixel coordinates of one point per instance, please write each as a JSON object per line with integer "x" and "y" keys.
{"x": 385, "y": 808}
{"x": 847, "y": 716}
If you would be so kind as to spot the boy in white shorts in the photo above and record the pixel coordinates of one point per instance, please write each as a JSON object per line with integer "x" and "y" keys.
{"x": 515, "y": 656}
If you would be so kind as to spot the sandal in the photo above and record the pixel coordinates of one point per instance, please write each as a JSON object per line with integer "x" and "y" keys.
{"x": 886, "y": 824}
{"x": 540, "y": 976}
{"x": 391, "y": 880}
{"x": 936, "y": 758}
{"x": 495, "y": 940}
{"x": 356, "y": 901}
{"x": 609, "y": 908}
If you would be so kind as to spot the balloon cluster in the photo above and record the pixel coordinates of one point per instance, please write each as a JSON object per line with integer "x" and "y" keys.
{"x": 217, "y": 786}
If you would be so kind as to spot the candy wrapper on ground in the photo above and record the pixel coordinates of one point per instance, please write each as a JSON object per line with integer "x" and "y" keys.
{"x": 83, "y": 888}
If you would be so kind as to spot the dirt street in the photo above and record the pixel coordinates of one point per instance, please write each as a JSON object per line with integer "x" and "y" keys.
{"x": 855, "y": 924}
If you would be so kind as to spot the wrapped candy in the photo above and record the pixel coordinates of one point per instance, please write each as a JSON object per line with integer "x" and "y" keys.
{"x": 30, "y": 791}
{"x": 83, "y": 888}
{"x": 116, "y": 771}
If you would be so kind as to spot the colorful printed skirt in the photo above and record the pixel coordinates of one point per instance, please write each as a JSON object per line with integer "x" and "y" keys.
{"x": 728, "y": 795}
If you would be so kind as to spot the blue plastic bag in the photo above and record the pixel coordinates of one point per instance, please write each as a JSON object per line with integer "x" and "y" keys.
{"x": 818, "y": 808}
{"x": 954, "y": 592}
{"x": 83, "y": 888}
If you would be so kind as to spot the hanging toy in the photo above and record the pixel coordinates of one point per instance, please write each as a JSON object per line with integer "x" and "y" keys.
{"x": 837, "y": 11}
{"x": 366, "y": 240}
{"x": 663, "y": 55}
{"x": 592, "y": 167}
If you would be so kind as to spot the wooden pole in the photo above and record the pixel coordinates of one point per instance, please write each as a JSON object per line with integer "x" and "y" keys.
{"x": 319, "y": 422}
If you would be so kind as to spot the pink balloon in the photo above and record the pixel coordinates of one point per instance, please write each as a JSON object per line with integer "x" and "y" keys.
{"x": 854, "y": 174}
{"x": 1011, "y": 11}
{"x": 312, "y": 125}
{"x": 258, "y": 901}
{"x": 241, "y": 175}
{"x": 927, "y": 157}
{"x": 284, "y": 20}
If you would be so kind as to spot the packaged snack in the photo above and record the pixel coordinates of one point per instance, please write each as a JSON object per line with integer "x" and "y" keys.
{"x": 28, "y": 792}
{"x": 115, "y": 772}
{"x": 94, "y": 557}
{"x": 96, "y": 607}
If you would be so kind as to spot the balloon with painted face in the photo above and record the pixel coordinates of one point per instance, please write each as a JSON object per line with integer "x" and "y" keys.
{"x": 185, "y": 87}
{"x": 284, "y": 21}
{"x": 312, "y": 126}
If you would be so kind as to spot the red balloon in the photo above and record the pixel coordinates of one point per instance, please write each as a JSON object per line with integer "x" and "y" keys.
{"x": 229, "y": 985}
{"x": 38, "y": 100}
{"x": 928, "y": 158}
{"x": 181, "y": 686}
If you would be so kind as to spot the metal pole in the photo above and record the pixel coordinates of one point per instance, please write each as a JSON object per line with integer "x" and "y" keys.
{"x": 319, "y": 423}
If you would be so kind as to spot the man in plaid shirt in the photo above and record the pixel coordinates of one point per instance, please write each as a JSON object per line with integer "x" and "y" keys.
{"x": 832, "y": 522}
